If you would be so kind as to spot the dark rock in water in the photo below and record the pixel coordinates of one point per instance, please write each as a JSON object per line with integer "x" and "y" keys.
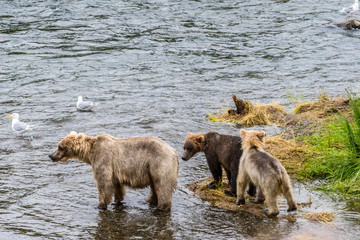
{"x": 350, "y": 24}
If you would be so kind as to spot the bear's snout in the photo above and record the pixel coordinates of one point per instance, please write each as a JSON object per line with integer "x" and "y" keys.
{"x": 54, "y": 159}
{"x": 184, "y": 158}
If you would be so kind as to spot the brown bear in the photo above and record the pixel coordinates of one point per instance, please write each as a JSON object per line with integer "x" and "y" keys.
{"x": 135, "y": 162}
{"x": 265, "y": 171}
{"x": 220, "y": 151}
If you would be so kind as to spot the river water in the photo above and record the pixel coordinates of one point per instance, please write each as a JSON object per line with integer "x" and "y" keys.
{"x": 156, "y": 68}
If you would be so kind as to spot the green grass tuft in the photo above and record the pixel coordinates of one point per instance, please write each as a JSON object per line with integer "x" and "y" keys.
{"x": 334, "y": 154}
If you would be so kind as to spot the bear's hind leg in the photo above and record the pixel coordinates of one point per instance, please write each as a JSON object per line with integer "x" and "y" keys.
{"x": 260, "y": 198}
{"x": 164, "y": 191}
{"x": 252, "y": 189}
{"x": 242, "y": 182}
{"x": 232, "y": 181}
{"x": 289, "y": 196}
{"x": 228, "y": 175}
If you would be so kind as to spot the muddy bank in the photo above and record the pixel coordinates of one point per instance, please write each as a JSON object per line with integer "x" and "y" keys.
{"x": 217, "y": 198}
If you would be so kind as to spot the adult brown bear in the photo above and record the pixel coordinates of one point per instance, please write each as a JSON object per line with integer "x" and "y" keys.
{"x": 116, "y": 163}
{"x": 220, "y": 151}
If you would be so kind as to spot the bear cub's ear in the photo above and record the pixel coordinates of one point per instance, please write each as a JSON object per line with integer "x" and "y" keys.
{"x": 72, "y": 133}
{"x": 261, "y": 135}
{"x": 243, "y": 133}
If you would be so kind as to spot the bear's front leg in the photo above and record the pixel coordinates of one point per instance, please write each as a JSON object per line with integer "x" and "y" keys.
{"x": 105, "y": 195}
{"x": 153, "y": 199}
{"x": 103, "y": 175}
{"x": 216, "y": 171}
{"x": 105, "y": 189}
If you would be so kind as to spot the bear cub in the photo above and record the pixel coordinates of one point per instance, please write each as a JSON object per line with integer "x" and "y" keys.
{"x": 265, "y": 171}
{"x": 220, "y": 151}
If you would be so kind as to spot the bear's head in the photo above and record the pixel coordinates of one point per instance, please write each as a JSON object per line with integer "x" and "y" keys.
{"x": 68, "y": 147}
{"x": 252, "y": 138}
{"x": 194, "y": 143}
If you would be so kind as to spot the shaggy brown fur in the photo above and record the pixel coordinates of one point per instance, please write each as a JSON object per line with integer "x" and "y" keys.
{"x": 116, "y": 163}
{"x": 265, "y": 171}
{"x": 220, "y": 151}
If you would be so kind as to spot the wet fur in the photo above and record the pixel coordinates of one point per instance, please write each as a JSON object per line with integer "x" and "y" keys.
{"x": 116, "y": 163}
{"x": 220, "y": 151}
{"x": 265, "y": 171}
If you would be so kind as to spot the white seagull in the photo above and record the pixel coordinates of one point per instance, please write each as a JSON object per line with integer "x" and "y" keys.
{"x": 17, "y": 126}
{"x": 351, "y": 9}
{"x": 84, "y": 105}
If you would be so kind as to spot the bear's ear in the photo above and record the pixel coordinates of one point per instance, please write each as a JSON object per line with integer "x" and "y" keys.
{"x": 188, "y": 136}
{"x": 200, "y": 139}
{"x": 261, "y": 135}
{"x": 72, "y": 133}
{"x": 243, "y": 133}
{"x": 80, "y": 136}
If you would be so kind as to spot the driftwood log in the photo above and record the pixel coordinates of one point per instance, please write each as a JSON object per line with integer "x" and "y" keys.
{"x": 242, "y": 106}
{"x": 349, "y": 24}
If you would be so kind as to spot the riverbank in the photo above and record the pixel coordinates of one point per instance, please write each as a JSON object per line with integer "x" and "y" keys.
{"x": 313, "y": 145}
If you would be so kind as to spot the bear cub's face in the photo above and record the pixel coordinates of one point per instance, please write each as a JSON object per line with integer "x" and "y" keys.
{"x": 64, "y": 150}
{"x": 194, "y": 143}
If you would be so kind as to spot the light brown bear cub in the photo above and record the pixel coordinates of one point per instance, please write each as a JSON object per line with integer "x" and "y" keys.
{"x": 265, "y": 171}
{"x": 116, "y": 163}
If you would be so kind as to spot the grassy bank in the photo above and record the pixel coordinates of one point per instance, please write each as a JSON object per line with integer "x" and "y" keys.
{"x": 334, "y": 153}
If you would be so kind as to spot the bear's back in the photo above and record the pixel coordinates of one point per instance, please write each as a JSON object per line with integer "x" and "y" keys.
{"x": 227, "y": 148}
{"x": 264, "y": 162}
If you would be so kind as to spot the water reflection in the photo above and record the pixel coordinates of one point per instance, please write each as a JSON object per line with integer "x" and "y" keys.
{"x": 125, "y": 223}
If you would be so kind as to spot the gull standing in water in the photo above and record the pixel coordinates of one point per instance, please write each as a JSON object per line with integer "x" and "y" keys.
{"x": 351, "y": 9}
{"x": 84, "y": 105}
{"x": 17, "y": 126}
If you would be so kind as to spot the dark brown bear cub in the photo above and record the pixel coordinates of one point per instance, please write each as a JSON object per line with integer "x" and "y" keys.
{"x": 220, "y": 151}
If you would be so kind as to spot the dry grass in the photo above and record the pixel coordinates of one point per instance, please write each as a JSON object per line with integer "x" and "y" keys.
{"x": 320, "y": 217}
{"x": 256, "y": 115}
{"x": 288, "y": 151}
{"x": 322, "y": 107}
{"x": 306, "y": 113}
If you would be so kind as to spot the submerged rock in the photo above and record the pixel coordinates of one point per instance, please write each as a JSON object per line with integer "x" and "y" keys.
{"x": 349, "y": 24}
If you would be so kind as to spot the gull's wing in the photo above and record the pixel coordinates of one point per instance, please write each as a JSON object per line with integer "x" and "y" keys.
{"x": 20, "y": 126}
{"x": 85, "y": 105}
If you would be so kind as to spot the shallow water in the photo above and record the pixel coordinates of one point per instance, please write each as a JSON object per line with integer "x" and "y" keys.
{"x": 156, "y": 68}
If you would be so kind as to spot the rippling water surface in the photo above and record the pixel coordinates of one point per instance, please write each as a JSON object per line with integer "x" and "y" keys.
{"x": 156, "y": 68}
